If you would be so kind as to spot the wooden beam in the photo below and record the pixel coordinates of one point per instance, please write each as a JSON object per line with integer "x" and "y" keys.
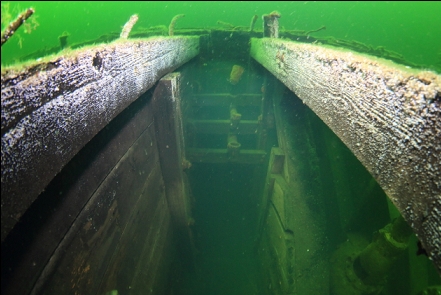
{"x": 170, "y": 142}
{"x": 225, "y": 99}
{"x": 52, "y": 222}
{"x": 387, "y": 114}
{"x": 223, "y": 126}
{"x": 197, "y": 155}
{"x": 52, "y": 108}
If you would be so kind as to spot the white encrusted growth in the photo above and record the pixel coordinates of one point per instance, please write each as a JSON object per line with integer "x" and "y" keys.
{"x": 128, "y": 26}
{"x": 386, "y": 114}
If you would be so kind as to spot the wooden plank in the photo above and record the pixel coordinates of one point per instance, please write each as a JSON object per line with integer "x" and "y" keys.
{"x": 52, "y": 215}
{"x": 222, "y": 126}
{"x": 112, "y": 224}
{"x": 170, "y": 141}
{"x": 388, "y": 116}
{"x": 275, "y": 167}
{"x": 221, "y": 156}
{"x": 52, "y": 108}
{"x": 304, "y": 226}
{"x": 280, "y": 190}
{"x": 225, "y": 99}
{"x": 159, "y": 251}
{"x": 135, "y": 264}
{"x": 278, "y": 251}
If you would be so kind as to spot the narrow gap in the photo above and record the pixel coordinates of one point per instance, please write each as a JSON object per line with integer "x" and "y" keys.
{"x": 226, "y": 189}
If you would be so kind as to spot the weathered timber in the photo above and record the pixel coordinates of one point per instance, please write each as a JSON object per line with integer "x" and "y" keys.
{"x": 52, "y": 108}
{"x": 388, "y": 115}
{"x": 171, "y": 147}
{"x": 206, "y": 155}
{"x": 56, "y": 210}
{"x": 225, "y": 99}
{"x": 223, "y": 126}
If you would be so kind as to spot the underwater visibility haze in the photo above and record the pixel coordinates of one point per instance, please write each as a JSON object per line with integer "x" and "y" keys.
{"x": 409, "y": 28}
{"x": 337, "y": 203}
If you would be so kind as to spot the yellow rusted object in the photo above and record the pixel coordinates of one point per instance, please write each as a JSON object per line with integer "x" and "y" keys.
{"x": 236, "y": 74}
{"x": 233, "y": 146}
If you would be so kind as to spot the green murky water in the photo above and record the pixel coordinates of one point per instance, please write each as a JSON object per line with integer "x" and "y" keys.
{"x": 409, "y": 28}
{"x": 226, "y": 196}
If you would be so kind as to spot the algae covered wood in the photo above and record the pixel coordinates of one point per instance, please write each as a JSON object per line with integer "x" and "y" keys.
{"x": 52, "y": 108}
{"x": 388, "y": 115}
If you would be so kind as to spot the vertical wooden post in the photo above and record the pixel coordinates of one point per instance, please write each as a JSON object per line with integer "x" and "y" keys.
{"x": 170, "y": 142}
{"x": 270, "y": 30}
{"x": 271, "y": 25}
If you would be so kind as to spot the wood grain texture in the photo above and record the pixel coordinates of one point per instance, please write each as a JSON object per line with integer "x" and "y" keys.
{"x": 388, "y": 115}
{"x": 52, "y": 108}
{"x": 56, "y": 210}
{"x": 171, "y": 150}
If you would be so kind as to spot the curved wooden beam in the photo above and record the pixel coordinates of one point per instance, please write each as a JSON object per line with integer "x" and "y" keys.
{"x": 388, "y": 115}
{"x": 52, "y": 108}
